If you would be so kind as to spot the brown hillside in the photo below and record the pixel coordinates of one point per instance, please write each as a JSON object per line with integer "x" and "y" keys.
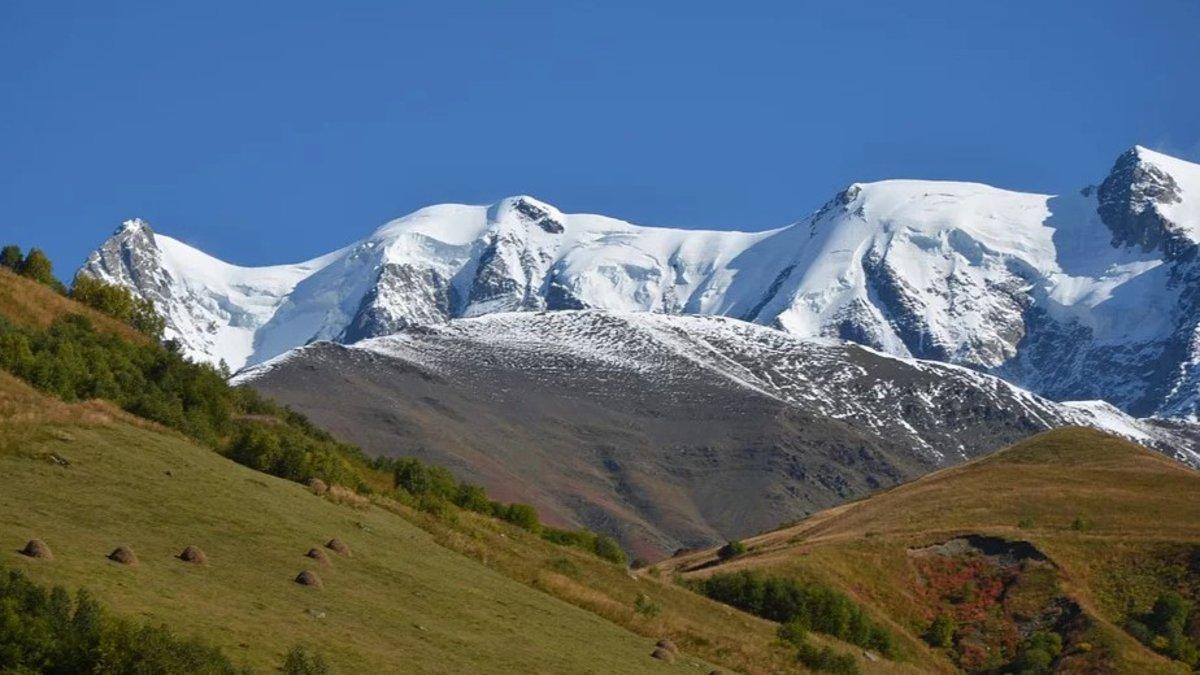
{"x": 1117, "y": 524}
{"x": 30, "y": 304}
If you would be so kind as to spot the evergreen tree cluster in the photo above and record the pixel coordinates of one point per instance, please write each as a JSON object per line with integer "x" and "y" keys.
{"x": 808, "y": 605}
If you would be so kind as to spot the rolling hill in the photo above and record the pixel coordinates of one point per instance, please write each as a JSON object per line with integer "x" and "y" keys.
{"x": 1071, "y": 531}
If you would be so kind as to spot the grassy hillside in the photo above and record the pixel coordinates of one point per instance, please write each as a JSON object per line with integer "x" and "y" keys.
{"x": 400, "y": 600}
{"x": 1120, "y": 526}
{"x": 33, "y": 305}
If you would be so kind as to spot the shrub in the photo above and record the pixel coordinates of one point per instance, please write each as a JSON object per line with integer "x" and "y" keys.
{"x": 826, "y": 660}
{"x": 565, "y": 567}
{"x": 1025, "y": 523}
{"x": 941, "y": 632}
{"x": 419, "y": 479}
{"x": 646, "y": 606}
{"x": 435, "y": 505}
{"x": 608, "y": 549}
{"x": 472, "y": 498}
{"x": 731, "y": 550}
{"x": 523, "y": 516}
{"x": 1036, "y": 655}
{"x": 300, "y": 661}
{"x": 793, "y": 632}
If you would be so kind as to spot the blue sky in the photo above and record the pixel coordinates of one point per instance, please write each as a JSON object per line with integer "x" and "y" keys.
{"x": 271, "y": 132}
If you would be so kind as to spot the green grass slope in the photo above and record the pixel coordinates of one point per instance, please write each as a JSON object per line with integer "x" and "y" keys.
{"x": 400, "y": 603}
{"x": 1120, "y": 525}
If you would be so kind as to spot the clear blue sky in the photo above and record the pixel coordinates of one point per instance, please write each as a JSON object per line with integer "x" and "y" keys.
{"x": 271, "y": 132}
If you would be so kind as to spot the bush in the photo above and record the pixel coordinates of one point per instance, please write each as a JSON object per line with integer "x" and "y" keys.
{"x": 472, "y": 498}
{"x": 646, "y": 606}
{"x": 523, "y": 516}
{"x": 1036, "y": 655}
{"x": 793, "y": 632}
{"x": 826, "y": 660}
{"x": 1078, "y": 524}
{"x": 608, "y": 549}
{"x": 418, "y": 479}
{"x": 731, "y": 550}
{"x": 300, "y": 661}
{"x": 941, "y": 632}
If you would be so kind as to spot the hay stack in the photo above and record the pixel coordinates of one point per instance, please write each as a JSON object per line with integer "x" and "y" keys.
{"x": 663, "y": 655}
{"x": 338, "y": 546}
{"x": 193, "y": 555}
{"x": 317, "y": 486}
{"x": 308, "y": 578}
{"x": 36, "y": 548}
{"x": 667, "y": 645}
{"x": 318, "y": 555}
{"x": 123, "y": 555}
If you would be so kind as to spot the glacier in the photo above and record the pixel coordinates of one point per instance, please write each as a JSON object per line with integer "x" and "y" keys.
{"x": 1091, "y": 295}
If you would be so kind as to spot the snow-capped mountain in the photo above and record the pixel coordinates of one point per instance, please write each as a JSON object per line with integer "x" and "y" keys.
{"x": 1089, "y": 295}
{"x": 667, "y": 430}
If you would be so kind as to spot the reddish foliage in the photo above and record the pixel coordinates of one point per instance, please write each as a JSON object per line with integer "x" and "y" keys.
{"x": 970, "y": 589}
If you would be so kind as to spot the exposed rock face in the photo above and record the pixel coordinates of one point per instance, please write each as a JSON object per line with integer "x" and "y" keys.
{"x": 1128, "y": 198}
{"x": 430, "y": 298}
{"x": 1085, "y": 295}
{"x": 667, "y": 431}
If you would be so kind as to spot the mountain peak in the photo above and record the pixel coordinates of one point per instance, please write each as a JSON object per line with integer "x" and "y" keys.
{"x": 1139, "y": 202}
{"x": 133, "y": 225}
{"x": 531, "y": 210}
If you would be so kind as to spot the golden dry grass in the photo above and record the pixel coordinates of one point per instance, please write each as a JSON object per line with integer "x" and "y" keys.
{"x": 29, "y": 304}
{"x": 1140, "y": 510}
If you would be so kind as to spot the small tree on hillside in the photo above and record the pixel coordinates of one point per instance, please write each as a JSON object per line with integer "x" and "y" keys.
{"x": 731, "y": 550}
{"x": 523, "y": 516}
{"x": 10, "y": 257}
{"x": 37, "y": 266}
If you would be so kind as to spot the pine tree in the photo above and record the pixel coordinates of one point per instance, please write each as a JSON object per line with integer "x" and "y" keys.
{"x": 10, "y": 257}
